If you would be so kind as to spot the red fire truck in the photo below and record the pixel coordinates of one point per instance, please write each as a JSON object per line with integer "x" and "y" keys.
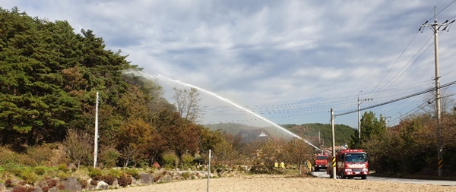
{"x": 320, "y": 161}
{"x": 350, "y": 163}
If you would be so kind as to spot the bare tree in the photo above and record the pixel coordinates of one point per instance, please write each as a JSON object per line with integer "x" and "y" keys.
{"x": 298, "y": 151}
{"x": 447, "y": 102}
{"x": 78, "y": 146}
{"x": 187, "y": 103}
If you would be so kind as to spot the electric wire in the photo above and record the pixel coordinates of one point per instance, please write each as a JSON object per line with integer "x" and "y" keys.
{"x": 403, "y": 51}
{"x": 401, "y": 98}
{"x": 440, "y": 10}
{"x": 400, "y": 55}
{"x": 388, "y": 84}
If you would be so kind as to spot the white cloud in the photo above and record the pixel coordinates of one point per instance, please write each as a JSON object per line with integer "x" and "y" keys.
{"x": 267, "y": 52}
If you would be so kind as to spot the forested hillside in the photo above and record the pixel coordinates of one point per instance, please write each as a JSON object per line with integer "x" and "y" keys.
{"x": 49, "y": 78}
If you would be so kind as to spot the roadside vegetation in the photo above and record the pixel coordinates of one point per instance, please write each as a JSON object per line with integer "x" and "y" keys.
{"x": 408, "y": 149}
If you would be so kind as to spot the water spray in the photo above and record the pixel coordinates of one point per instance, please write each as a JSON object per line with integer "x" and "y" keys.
{"x": 158, "y": 76}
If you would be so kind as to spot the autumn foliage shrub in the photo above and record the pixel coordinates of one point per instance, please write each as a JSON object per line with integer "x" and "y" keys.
{"x": 61, "y": 187}
{"x": 157, "y": 178}
{"x": 51, "y": 182}
{"x": 83, "y": 183}
{"x": 45, "y": 189}
{"x": 22, "y": 189}
{"x": 108, "y": 179}
{"x": 40, "y": 154}
{"x": 124, "y": 181}
{"x": 9, "y": 183}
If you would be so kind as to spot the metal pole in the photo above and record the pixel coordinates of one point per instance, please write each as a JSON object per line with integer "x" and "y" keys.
{"x": 209, "y": 170}
{"x": 95, "y": 150}
{"x": 333, "y": 143}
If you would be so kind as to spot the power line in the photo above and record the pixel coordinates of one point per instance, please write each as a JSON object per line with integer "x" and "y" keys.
{"x": 399, "y": 99}
{"x": 440, "y": 10}
{"x": 400, "y": 55}
{"x": 409, "y": 62}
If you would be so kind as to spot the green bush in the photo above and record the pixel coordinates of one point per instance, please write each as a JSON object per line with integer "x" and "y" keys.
{"x": 40, "y": 170}
{"x": 7, "y": 156}
{"x": 15, "y": 169}
{"x": 186, "y": 175}
{"x": 109, "y": 157}
{"x": 28, "y": 176}
{"x": 63, "y": 175}
{"x": 170, "y": 159}
{"x": 115, "y": 173}
{"x": 94, "y": 172}
{"x": 63, "y": 167}
{"x": 133, "y": 172}
{"x": 187, "y": 159}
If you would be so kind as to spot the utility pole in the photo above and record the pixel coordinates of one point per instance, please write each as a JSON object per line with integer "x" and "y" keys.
{"x": 435, "y": 28}
{"x": 333, "y": 145}
{"x": 359, "y": 121}
{"x": 209, "y": 169}
{"x": 95, "y": 150}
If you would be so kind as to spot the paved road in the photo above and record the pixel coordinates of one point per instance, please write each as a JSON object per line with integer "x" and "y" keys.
{"x": 323, "y": 174}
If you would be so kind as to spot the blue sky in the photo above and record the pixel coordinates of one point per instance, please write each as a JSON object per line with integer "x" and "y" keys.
{"x": 289, "y": 61}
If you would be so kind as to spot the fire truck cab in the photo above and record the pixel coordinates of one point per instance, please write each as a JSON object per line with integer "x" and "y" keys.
{"x": 320, "y": 161}
{"x": 351, "y": 163}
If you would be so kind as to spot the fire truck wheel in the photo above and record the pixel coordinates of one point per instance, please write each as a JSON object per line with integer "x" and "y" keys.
{"x": 317, "y": 169}
{"x": 364, "y": 177}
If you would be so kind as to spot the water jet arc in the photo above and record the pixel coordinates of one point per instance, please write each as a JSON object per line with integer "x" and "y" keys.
{"x": 158, "y": 76}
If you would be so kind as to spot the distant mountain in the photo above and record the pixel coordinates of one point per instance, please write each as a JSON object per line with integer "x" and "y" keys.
{"x": 308, "y": 131}
{"x": 311, "y": 132}
{"x": 236, "y": 128}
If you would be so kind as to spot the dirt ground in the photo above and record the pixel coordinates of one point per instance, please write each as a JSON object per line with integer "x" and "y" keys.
{"x": 283, "y": 184}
